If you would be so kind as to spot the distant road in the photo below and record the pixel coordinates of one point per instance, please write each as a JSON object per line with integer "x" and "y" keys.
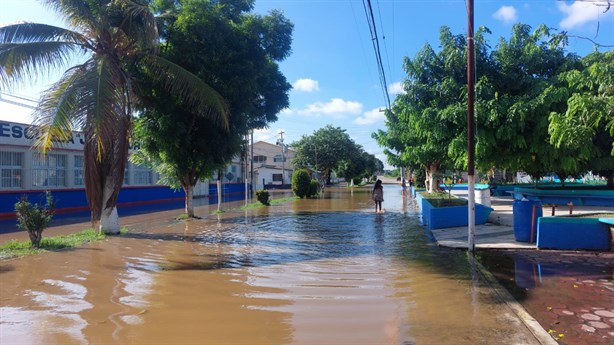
{"x": 389, "y": 180}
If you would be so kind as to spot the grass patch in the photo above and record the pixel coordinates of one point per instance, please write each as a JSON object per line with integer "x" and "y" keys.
{"x": 183, "y": 216}
{"x": 442, "y": 199}
{"x": 16, "y": 248}
{"x": 277, "y": 201}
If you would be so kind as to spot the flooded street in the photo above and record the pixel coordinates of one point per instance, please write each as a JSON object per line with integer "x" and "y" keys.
{"x": 318, "y": 271}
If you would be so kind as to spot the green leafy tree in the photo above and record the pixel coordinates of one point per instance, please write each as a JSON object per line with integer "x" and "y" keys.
{"x": 353, "y": 165}
{"x": 515, "y": 103}
{"x": 426, "y": 126}
{"x": 118, "y": 39}
{"x": 332, "y": 144}
{"x": 34, "y": 218}
{"x": 585, "y": 125}
{"x": 236, "y": 52}
{"x": 301, "y": 182}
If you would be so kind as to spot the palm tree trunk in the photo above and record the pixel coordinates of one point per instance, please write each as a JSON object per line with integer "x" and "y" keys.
{"x": 109, "y": 219}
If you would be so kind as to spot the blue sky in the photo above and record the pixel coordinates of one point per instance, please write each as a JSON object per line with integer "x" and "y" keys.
{"x": 333, "y": 67}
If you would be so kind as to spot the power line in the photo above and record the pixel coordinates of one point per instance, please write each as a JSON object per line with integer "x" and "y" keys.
{"x": 16, "y": 100}
{"x": 376, "y": 47}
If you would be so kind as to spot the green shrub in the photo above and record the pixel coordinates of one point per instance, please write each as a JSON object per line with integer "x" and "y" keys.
{"x": 34, "y": 218}
{"x": 314, "y": 187}
{"x": 301, "y": 182}
{"x": 263, "y": 196}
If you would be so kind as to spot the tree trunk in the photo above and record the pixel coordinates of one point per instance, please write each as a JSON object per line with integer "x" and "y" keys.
{"x": 219, "y": 191}
{"x": 430, "y": 183}
{"x": 189, "y": 204}
{"x": 35, "y": 237}
{"x": 109, "y": 219}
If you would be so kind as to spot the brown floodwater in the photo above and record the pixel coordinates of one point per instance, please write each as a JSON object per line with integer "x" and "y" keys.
{"x": 318, "y": 271}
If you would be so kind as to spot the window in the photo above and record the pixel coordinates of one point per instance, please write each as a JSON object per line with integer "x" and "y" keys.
{"x": 127, "y": 174}
{"x": 233, "y": 169}
{"x": 142, "y": 175}
{"x": 78, "y": 168}
{"x": 259, "y": 159}
{"x": 277, "y": 178}
{"x": 48, "y": 170}
{"x": 11, "y": 169}
{"x": 279, "y": 158}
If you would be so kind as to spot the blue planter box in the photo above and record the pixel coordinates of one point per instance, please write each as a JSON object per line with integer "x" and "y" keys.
{"x": 572, "y": 233}
{"x": 449, "y": 217}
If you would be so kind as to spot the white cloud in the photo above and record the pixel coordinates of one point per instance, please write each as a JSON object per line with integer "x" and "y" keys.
{"x": 506, "y": 14}
{"x": 306, "y": 85}
{"x": 287, "y": 111}
{"x": 332, "y": 107}
{"x": 266, "y": 134}
{"x": 370, "y": 117}
{"x": 579, "y": 13}
{"x": 396, "y": 88}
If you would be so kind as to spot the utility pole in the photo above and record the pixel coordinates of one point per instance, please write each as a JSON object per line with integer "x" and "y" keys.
{"x": 281, "y": 142}
{"x": 245, "y": 171}
{"x": 470, "y": 126}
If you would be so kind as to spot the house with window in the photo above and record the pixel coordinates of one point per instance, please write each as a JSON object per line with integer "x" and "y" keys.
{"x": 272, "y": 165}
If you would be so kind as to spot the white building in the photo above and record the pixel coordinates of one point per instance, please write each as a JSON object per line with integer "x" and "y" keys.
{"x": 271, "y": 164}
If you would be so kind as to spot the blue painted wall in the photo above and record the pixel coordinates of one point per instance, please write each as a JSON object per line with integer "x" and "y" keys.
{"x": 572, "y": 233}
{"x": 74, "y": 200}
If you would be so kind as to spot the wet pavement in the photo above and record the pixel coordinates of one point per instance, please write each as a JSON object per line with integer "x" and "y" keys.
{"x": 570, "y": 293}
{"x": 318, "y": 271}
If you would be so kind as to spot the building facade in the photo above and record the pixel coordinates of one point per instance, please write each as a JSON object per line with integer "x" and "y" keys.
{"x": 271, "y": 165}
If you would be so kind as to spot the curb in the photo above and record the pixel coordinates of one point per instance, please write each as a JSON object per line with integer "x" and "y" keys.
{"x": 534, "y": 327}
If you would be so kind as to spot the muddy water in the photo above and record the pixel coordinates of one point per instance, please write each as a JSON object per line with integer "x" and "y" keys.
{"x": 325, "y": 271}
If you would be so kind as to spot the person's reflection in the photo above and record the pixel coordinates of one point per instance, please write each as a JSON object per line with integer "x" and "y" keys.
{"x": 379, "y": 229}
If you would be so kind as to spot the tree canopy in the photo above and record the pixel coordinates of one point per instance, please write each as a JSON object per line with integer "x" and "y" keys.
{"x": 538, "y": 108}
{"x": 330, "y": 149}
{"x": 236, "y": 52}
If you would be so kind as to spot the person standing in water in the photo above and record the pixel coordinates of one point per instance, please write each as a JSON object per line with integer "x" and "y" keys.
{"x": 377, "y": 194}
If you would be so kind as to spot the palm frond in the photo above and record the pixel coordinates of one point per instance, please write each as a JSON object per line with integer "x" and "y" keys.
{"x": 33, "y": 32}
{"x": 189, "y": 88}
{"x": 55, "y": 112}
{"x": 23, "y": 61}
{"x": 77, "y": 12}
{"x": 140, "y": 24}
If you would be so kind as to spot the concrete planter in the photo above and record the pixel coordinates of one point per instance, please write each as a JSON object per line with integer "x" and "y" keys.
{"x": 449, "y": 217}
{"x": 562, "y": 197}
{"x": 573, "y": 233}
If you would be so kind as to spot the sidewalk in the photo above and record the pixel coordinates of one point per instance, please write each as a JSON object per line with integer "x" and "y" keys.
{"x": 498, "y": 232}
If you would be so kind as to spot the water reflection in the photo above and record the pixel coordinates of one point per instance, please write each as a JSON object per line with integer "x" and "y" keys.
{"x": 531, "y": 270}
{"x": 570, "y": 293}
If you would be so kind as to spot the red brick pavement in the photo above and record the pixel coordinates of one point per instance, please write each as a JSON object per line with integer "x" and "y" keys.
{"x": 571, "y": 294}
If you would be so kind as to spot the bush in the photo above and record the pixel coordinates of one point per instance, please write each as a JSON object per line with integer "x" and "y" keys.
{"x": 34, "y": 218}
{"x": 314, "y": 187}
{"x": 263, "y": 196}
{"x": 301, "y": 182}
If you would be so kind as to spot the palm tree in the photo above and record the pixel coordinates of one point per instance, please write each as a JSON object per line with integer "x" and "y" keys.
{"x": 118, "y": 40}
